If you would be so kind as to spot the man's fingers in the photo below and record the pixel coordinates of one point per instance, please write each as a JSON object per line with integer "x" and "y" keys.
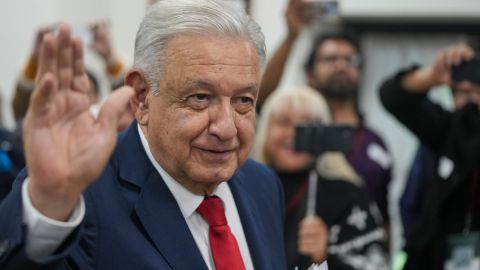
{"x": 457, "y": 54}
{"x": 114, "y": 107}
{"x": 46, "y": 61}
{"x": 80, "y": 79}
{"x": 78, "y": 65}
{"x": 44, "y": 92}
{"x": 64, "y": 57}
{"x": 464, "y": 53}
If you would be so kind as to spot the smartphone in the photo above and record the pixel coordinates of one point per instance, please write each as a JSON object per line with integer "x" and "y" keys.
{"x": 322, "y": 9}
{"x": 467, "y": 71}
{"x": 316, "y": 138}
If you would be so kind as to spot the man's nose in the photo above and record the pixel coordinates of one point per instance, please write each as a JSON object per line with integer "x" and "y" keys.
{"x": 342, "y": 63}
{"x": 222, "y": 121}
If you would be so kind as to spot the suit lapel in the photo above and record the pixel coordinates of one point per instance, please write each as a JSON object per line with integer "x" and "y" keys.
{"x": 251, "y": 222}
{"x": 162, "y": 219}
{"x": 155, "y": 206}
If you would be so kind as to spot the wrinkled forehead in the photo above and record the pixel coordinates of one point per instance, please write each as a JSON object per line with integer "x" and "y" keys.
{"x": 213, "y": 48}
{"x": 212, "y": 62}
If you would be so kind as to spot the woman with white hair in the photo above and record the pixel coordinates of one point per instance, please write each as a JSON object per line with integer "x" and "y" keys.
{"x": 347, "y": 227}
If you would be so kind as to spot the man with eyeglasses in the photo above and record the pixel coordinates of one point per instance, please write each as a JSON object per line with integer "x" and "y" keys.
{"x": 334, "y": 69}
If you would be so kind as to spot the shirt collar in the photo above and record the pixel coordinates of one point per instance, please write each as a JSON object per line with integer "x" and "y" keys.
{"x": 186, "y": 200}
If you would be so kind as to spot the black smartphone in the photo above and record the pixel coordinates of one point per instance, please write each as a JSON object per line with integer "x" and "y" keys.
{"x": 322, "y": 10}
{"x": 468, "y": 71}
{"x": 316, "y": 138}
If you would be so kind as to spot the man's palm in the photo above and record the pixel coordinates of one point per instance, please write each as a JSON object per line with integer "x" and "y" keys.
{"x": 65, "y": 146}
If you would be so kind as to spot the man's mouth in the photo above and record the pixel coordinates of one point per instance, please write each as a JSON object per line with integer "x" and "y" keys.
{"x": 216, "y": 154}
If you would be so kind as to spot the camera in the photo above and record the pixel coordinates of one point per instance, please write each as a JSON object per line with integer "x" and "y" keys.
{"x": 317, "y": 138}
{"x": 468, "y": 71}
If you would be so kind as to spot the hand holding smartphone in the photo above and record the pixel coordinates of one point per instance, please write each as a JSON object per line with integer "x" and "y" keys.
{"x": 467, "y": 71}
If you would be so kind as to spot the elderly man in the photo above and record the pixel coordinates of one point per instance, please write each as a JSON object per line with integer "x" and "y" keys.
{"x": 175, "y": 191}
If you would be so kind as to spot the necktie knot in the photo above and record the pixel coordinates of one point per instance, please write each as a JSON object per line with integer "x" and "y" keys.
{"x": 211, "y": 209}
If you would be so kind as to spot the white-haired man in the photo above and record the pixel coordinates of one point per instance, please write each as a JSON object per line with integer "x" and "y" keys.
{"x": 175, "y": 191}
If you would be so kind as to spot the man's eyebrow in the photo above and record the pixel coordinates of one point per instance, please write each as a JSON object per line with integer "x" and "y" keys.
{"x": 252, "y": 89}
{"x": 202, "y": 84}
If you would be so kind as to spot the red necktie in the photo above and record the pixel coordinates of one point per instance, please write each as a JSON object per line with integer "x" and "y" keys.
{"x": 224, "y": 247}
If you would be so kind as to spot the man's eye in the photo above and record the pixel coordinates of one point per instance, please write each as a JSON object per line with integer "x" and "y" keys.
{"x": 243, "y": 104}
{"x": 200, "y": 97}
{"x": 245, "y": 100}
{"x": 198, "y": 101}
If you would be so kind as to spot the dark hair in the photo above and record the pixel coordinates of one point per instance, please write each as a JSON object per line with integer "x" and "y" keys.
{"x": 343, "y": 36}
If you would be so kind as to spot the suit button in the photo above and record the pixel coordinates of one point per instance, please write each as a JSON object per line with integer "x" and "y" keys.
{"x": 3, "y": 247}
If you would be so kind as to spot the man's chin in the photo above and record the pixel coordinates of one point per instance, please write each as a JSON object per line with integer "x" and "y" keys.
{"x": 213, "y": 176}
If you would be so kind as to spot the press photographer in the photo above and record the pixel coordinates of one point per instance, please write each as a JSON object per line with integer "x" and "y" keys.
{"x": 450, "y": 220}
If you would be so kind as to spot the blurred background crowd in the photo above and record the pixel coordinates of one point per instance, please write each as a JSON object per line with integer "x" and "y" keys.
{"x": 327, "y": 61}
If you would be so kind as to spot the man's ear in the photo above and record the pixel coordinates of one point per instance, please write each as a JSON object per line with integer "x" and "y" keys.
{"x": 137, "y": 80}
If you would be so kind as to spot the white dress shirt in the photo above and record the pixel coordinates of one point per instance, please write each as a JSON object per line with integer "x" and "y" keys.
{"x": 189, "y": 202}
{"x": 45, "y": 234}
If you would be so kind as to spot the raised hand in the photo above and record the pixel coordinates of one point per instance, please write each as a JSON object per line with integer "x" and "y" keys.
{"x": 448, "y": 58}
{"x": 101, "y": 41}
{"x": 313, "y": 238}
{"x": 297, "y": 16}
{"x": 41, "y": 32}
{"x": 65, "y": 147}
{"x": 439, "y": 73}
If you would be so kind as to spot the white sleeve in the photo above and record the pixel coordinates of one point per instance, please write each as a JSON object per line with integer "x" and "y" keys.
{"x": 44, "y": 234}
{"x": 322, "y": 266}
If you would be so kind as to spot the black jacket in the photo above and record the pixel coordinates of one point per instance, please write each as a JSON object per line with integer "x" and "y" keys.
{"x": 11, "y": 161}
{"x": 454, "y": 137}
{"x": 356, "y": 234}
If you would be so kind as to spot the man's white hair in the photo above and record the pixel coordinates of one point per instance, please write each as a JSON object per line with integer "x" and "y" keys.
{"x": 169, "y": 18}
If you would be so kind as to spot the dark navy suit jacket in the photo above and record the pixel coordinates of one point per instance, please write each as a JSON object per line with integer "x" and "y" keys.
{"x": 133, "y": 221}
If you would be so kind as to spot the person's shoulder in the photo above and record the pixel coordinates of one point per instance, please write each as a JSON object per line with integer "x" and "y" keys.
{"x": 371, "y": 134}
{"x": 6, "y": 135}
{"x": 344, "y": 195}
{"x": 341, "y": 192}
{"x": 258, "y": 174}
{"x": 372, "y": 138}
{"x": 252, "y": 166}
{"x": 346, "y": 189}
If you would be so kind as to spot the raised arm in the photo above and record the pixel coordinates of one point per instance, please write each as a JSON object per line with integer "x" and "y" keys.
{"x": 25, "y": 83}
{"x": 296, "y": 19}
{"x": 66, "y": 148}
{"x": 102, "y": 45}
{"x": 404, "y": 95}
{"x": 424, "y": 79}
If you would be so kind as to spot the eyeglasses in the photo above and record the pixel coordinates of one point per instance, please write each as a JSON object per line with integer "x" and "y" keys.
{"x": 351, "y": 60}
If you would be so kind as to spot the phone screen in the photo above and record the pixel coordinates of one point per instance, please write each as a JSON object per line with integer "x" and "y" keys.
{"x": 467, "y": 71}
